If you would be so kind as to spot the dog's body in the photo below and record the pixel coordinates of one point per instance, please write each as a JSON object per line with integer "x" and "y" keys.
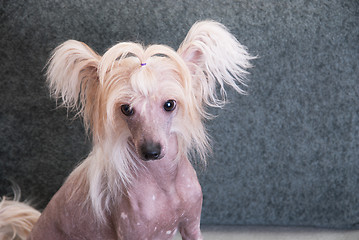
{"x": 144, "y": 109}
{"x": 165, "y": 196}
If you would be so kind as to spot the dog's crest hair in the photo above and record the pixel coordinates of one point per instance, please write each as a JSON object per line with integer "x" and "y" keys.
{"x": 94, "y": 86}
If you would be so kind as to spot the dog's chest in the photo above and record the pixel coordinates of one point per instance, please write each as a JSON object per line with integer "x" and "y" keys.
{"x": 148, "y": 211}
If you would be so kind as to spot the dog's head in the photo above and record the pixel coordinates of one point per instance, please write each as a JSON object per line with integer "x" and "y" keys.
{"x": 150, "y": 100}
{"x": 146, "y": 98}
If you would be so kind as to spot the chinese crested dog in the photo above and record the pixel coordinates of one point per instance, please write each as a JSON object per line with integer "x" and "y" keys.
{"x": 144, "y": 109}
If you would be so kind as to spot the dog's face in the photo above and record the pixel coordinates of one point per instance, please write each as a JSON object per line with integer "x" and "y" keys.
{"x": 147, "y": 104}
{"x": 149, "y": 122}
{"x": 149, "y": 116}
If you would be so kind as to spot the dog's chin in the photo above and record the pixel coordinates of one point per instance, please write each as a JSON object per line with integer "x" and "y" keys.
{"x": 151, "y": 160}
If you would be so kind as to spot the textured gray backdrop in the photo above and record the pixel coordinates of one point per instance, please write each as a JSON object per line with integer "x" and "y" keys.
{"x": 286, "y": 154}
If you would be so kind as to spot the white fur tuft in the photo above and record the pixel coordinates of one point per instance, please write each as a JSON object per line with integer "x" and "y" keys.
{"x": 214, "y": 56}
{"x": 16, "y": 219}
{"x": 65, "y": 71}
{"x": 72, "y": 77}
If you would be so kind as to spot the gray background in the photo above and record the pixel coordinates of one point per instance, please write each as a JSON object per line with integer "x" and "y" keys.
{"x": 286, "y": 154}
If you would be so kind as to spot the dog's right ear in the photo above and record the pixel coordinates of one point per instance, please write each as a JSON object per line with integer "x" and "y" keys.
{"x": 214, "y": 56}
{"x": 72, "y": 75}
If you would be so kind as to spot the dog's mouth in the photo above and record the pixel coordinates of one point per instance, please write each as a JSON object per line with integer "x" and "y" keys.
{"x": 147, "y": 151}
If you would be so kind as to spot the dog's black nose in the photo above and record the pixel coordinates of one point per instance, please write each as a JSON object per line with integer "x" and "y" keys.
{"x": 151, "y": 151}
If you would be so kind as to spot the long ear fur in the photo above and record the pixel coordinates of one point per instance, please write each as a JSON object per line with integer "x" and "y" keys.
{"x": 214, "y": 55}
{"x": 72, "y": 77}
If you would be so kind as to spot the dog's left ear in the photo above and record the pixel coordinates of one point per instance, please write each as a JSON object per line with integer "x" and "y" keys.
{"x": 213, "y": 55}
{"x": 72, "y": 77}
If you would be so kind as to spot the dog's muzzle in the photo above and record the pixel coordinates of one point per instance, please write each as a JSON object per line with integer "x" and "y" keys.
{"x": 150, "y": 151}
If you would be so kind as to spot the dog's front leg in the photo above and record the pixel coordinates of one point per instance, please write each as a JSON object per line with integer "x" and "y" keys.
{"x": 190, "y": 226}
{"x": 191, "y": 230}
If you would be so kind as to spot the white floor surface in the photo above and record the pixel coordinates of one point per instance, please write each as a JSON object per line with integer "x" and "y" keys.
{"x": 274, "y": 233}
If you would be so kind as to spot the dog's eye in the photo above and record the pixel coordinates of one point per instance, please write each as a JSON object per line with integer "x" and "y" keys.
{"x": 127, "y": 110}
{"x": 169, "y": 105}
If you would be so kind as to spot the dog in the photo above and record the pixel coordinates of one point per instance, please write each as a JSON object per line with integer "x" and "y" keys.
{"x": 144, "y": 109}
